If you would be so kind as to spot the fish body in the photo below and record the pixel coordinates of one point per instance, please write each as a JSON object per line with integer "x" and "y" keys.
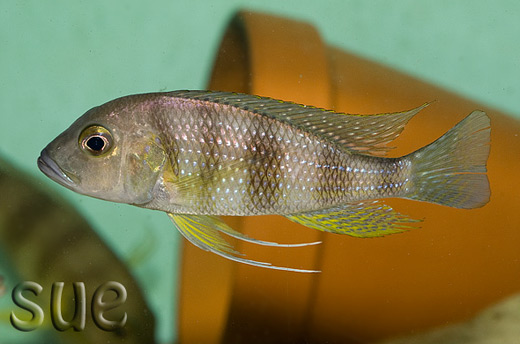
{"x": 227, "y": 157}
{"x": 201, "y": 154}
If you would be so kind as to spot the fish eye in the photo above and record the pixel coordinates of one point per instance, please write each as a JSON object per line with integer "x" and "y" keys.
{"x": 95, "y": 140}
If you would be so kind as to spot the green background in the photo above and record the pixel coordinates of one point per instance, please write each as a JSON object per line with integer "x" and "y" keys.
{"x": 60, "y": 58}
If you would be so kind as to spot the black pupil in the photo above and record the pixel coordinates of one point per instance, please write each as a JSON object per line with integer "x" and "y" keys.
{"x": 95, "y": 143}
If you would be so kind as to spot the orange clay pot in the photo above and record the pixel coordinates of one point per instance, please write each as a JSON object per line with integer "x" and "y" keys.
{"x": 458, "y": 261}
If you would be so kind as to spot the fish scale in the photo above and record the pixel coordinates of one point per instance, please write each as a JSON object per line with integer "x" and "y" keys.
{"x": 319, "y": 175}
{"x": 199, "y": 154}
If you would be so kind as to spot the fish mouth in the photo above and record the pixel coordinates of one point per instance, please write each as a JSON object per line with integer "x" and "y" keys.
{"x": 54, "y": 172}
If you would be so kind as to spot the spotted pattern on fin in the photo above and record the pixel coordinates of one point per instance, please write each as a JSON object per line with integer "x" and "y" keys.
{"x": 364, "y": 220}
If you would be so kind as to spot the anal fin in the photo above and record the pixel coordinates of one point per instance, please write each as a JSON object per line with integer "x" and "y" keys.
{"x": 204, "y": 232}
{"x": 363, "y": 220}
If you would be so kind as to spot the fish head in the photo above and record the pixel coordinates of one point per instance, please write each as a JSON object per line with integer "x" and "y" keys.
{"x": 109, "y": 153}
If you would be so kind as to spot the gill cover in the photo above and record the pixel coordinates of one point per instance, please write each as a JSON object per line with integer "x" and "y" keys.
{"x": 144, "y": 164}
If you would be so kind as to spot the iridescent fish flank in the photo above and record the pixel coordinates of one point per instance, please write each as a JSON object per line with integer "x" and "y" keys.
{"x": 197, "y": 155}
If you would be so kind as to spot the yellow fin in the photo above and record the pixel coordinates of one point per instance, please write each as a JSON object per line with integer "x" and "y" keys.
{"x": 363, "y": 220}
{"x": 203, "y": 232}
{"x": 190, "y": 184}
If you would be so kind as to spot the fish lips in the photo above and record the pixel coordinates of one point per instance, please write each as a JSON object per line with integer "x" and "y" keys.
{"x": 49, "y": 167}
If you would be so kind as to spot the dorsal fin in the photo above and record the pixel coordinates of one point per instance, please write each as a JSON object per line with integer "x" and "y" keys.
{"x": 363, "y": 133}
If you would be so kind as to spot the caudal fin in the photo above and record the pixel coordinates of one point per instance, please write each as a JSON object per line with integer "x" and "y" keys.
{"x": 451, "y": 170}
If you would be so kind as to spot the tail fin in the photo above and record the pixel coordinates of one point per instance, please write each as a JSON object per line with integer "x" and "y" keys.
{"x": 450, "y": 171}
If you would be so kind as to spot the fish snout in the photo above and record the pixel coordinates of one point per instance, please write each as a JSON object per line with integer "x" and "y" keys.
{"x": 49, "y": 167}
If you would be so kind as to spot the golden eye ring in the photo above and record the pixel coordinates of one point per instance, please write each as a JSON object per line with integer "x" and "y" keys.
{"x": 95, "y": 140}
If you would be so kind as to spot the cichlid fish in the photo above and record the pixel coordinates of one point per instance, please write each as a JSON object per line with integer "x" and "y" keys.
{"x": 200, "y": 154}
{"x": 52, "y": 242}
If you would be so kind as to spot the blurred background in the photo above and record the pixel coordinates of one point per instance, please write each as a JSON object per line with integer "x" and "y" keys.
{"x": 58, "y": 59}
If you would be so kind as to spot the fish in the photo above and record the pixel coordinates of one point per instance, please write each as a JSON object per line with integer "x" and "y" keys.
{"x": 2, "y": 286}
{"x": 45, "y": 240}
{"x": 198, "y": 155}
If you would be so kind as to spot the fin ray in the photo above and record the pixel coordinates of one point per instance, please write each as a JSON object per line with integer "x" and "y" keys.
{"x": 364, "y": 220}
{"x": 451, "y": 170}
{"x": 364, "y": 133}
{"x": 203, "y": 232}
{"x": 195, "y": 181}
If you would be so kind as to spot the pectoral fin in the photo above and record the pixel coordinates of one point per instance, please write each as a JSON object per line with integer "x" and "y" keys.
{"x": 364, "y": 220}
{"x": 203, "y": 232}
